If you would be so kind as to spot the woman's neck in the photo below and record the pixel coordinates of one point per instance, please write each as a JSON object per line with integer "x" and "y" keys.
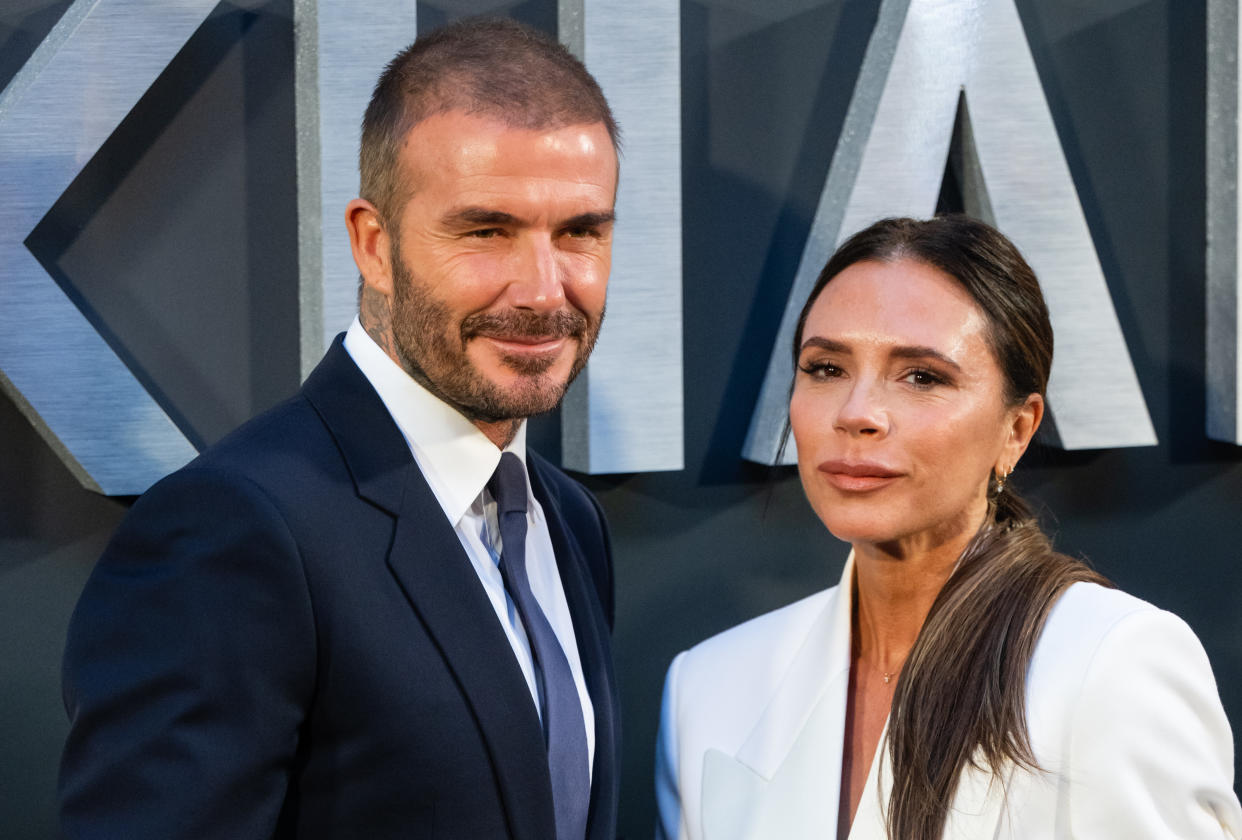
{"x": 894, "y": 589}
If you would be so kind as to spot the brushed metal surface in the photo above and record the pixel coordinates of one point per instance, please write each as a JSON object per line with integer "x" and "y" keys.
{"x": 1224, "y": 303}
{"x": 54, "y": 115}
{"x": 340, "y": 50}
{"x": 924, "y": 56}
{"x": 625, "y": 412}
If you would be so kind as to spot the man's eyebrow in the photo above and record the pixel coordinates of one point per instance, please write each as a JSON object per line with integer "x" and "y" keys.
{"x": 470, "y": 216}
{"x": 590, "y": 220}
{"x": 465, "y": 216}
{"x": 902, "y": 352}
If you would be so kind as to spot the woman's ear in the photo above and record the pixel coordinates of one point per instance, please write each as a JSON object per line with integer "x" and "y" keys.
{"x": 1023, "y": 422}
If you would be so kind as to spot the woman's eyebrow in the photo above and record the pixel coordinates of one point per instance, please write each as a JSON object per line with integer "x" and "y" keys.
{"x": 920, "y": 352}
{"x": 825, "y": 344}
{"x": 913, "y": 351}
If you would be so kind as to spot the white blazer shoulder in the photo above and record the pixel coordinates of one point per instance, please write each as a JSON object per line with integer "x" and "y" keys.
{"x": 1123, "y": 712}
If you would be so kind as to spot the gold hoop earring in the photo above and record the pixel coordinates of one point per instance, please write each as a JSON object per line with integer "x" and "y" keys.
{"x": 1001, "y": 478}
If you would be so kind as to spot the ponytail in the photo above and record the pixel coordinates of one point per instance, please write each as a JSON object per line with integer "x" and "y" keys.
{"x": 961, "y": 697}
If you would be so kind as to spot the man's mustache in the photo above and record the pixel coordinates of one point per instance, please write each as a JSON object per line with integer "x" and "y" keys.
{"x": 518, "y": 323}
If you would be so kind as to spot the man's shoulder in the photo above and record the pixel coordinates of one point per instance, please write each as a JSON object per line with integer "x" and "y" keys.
{"x": 284, "y": 457}
{"x": 284, "y": 439}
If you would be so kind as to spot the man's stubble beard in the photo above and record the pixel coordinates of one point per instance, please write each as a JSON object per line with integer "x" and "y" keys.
{"x": 433, "y": 351}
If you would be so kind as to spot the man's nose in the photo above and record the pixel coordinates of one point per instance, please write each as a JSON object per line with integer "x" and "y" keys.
{"x": 537, "y": 282}
{"x": 864, "y": 412}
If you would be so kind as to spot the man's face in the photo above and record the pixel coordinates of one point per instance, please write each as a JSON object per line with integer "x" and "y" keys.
{"x": 500, "y": 260}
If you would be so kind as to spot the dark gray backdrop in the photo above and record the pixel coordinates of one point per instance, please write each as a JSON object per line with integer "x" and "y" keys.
{"x": 179, "y": 240}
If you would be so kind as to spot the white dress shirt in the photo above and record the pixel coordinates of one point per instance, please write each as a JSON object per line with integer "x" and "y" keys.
{"x": 457, "y": 460}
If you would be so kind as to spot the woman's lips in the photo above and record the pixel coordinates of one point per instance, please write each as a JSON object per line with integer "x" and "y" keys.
{"x": 858, "y": 476}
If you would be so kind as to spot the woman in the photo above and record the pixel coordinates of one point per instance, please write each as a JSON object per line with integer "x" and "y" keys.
{"x": 963, "y": 680}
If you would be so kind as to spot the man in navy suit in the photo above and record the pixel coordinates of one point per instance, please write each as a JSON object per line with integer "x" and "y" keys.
{"x": 371, "y": 612}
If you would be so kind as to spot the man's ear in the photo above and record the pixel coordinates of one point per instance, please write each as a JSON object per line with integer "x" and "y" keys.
{"x": 1024, "y": 421}
{"x": 371, "y": 245}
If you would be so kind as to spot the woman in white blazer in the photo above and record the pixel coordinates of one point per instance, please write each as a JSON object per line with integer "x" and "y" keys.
{"x": 963, "y": 680}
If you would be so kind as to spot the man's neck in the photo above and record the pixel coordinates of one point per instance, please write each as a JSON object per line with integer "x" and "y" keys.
{"x": 501, "y": 433}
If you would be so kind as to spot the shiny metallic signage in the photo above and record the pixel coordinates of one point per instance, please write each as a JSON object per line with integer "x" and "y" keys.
{"x": 931, "y": 65}
{"x": 926, "y": 59}
{"x": 624, "y": 413}
{"x": 54, "y": 115}
{"x": 341, "y": 47}
{"x": 1224, "y": 226}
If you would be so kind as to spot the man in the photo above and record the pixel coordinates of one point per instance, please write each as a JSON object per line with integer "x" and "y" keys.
{"x": 371, "y": 612}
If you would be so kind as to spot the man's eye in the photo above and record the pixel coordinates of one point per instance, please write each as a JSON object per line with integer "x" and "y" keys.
{"x": 581, "y": 232}
{"x": 484, "y": 233}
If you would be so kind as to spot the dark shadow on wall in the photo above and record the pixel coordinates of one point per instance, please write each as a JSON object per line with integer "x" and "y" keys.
{"x": 754, "y": 167}
{"x": 51, "y": 531}
{"x": 21, "y": 34}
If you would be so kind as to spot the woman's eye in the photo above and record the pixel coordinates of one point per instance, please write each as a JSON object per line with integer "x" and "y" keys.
{"x": 820, "y": 370}
{"x": 923, "y": 378}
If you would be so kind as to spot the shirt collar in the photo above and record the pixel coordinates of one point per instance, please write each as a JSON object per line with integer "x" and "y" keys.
{"x": 455, "y": 457}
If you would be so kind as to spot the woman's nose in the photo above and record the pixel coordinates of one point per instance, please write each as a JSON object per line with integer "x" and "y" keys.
{"x": 864, "y": 412}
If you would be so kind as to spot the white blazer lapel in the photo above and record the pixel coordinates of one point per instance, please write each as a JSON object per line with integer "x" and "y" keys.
{"x": 976, "y": 812}
{"x": 978, "y": 804}
{"x": 869, "y": 818}
{"x": 785, "y": 781}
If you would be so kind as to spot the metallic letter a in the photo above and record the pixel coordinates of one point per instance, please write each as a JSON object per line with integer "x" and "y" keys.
{"x": 931, "y": 65}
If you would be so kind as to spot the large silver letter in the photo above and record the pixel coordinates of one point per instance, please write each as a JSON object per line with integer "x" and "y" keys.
{"x": 54, "y": 115}
{"x": 341, "y": 49}
{"x": 624, "y": 414}
{"x": 1224, "y": 226}
{"x": 924, "y": 57}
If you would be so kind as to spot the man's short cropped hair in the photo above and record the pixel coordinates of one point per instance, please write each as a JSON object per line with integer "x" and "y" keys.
{"x": 490, "y": 67}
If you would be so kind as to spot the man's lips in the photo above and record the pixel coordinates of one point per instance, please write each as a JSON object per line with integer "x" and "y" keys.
{"x": 858, "y": 475}
{"x": 528, "y": 344}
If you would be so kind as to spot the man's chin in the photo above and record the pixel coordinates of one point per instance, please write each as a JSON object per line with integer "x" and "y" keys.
{"x": 522, "y": 387}
{"x": 535, "y": 395}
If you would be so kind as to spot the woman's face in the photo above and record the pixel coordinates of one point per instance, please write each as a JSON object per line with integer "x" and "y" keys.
{"x": 898, "y": 408}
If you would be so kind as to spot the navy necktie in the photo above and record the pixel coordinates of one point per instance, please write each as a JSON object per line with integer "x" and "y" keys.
{"x": 563, "y": 726}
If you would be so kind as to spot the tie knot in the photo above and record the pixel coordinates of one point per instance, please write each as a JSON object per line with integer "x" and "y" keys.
{"x": 508, "y": 484}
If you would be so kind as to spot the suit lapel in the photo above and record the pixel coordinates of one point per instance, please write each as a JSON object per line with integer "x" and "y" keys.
{"x": 431, "y": 566}
{"x": 594, "y": 651}
{"x": 433, "y": 570}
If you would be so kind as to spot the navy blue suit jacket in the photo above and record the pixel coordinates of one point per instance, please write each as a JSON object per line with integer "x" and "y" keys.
{"x": 286, "y": 639}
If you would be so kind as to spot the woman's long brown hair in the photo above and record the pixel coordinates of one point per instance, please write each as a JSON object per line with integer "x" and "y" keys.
{"x": 961, "y": 697}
